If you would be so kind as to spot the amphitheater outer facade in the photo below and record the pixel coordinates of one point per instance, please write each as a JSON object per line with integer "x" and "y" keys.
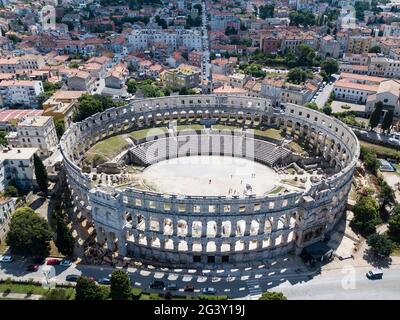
{"x": 270, "y": 225}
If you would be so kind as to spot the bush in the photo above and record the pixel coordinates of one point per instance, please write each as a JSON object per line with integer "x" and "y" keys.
{"x": 380, "y": 245}
{"x": 272, "y": 296}
{"x": 154, "y": 296}
{"x": 205, "y": 297}
{"x": 11, "y": 191}
{"x": 136, "y": 293}
{"x": 366, "y": 215}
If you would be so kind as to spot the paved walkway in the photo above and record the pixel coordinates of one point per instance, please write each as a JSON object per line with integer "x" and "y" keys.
{"x": 19, "y": 296}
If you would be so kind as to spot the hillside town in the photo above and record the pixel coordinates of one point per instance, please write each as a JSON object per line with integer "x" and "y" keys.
{"x": 64, "y": 61}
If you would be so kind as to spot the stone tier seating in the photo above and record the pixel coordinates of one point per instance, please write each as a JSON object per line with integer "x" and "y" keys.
{"x": 154, "y": 151}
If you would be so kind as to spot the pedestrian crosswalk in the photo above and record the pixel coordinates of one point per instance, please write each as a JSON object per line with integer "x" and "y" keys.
{"x": 254, "y": 289}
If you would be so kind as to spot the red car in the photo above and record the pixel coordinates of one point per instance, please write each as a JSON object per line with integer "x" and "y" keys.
{"x": 33, "y": 267}
{"x": 189, "y": 288}
{"x": 53, "y": 262}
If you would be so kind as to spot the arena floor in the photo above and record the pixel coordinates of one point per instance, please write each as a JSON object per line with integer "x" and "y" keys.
{"x": 210, "y": 176}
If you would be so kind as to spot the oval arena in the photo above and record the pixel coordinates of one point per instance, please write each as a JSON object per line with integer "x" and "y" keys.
{"x": 283, "y": 192}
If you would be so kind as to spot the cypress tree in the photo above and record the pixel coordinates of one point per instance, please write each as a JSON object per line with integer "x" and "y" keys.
{"x": 41, "y": 173}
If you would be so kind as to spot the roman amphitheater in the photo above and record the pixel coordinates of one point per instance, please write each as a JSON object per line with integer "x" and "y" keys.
{"x": 207, "y": 180}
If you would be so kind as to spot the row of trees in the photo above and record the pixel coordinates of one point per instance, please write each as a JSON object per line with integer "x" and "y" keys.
{"x": 89, "y": 105}
{"x": 376, "y": 115}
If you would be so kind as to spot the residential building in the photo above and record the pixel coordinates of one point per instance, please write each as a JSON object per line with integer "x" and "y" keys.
{"x": 20, "y": 93}
{"x": 7, "y": 208}
{"x": 356, "y": 88}
{"x": 62, "y": 105}
{"x": 329, "y": 46}
{"x": 359, "y": 44}
{"x": 80, "y": 81}
{"x": 9, "y": 118}
{"x": 36, "y": 132}
{"x": 16, "y": 164}
{"x": 185, "y": 76}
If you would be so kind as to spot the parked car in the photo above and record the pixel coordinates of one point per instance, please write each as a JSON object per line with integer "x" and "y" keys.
{"x": 209, "y": 290}
{"x": 65, "y": 263}
{"x": 33, "y": 267}
{"x": 157, "y": 284}
{"x": 72, "y": 277}
{"x": 374, "y": 274}
{"x": 53, "y": 262}
{"x": 106, "y": 281}
{"x": 92, "y": 278}
{"x": 189, "y": 288}
{"x": 6, "y": 259}
{"x": 172, "y": 286}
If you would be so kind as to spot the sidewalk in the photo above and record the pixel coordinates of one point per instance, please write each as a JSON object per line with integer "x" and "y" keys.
{"x": 19, "y": 296}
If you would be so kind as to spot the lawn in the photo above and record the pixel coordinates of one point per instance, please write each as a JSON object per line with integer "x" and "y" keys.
{"x": 277, "y": 190}
{"x": 381, "y": 150}
{"x": 269, "y": 133}
{"x": 295, "y": 147}
{"x": 190, "y": 126}
{"x": 140, "y": 134}
{"x": 222, "y": 127}
{"x": 107, "y": 148}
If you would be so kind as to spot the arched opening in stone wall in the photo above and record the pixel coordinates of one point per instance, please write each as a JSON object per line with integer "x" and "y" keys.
{"x": 226, "y": 229}
{"x": 168, "y": 227}
{"x": 211, "y": 229}
{"x": 240, "y": 228}
{"x": 211, "y": 246}
{"x": 182, "y": 228}
{"x": 254, "y": 228}
{"x": 183, "y": 245}
{"x": 197, "y": 229}
{"x": 239, "y": 245}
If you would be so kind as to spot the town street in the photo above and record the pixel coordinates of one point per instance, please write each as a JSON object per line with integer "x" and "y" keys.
{"x": 341, "y": 283}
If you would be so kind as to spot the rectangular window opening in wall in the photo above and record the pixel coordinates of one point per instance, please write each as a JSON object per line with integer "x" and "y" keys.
{"x": 167, "y": 207}
{"x": 271, "y": 205}
{"x": 242, "y": 208}
{"x": 196, "y": 259}
{"x": 225, "y": 258}
{"x": 152, "y": 204}
{"x": 138, "y": 202}
{"x": 211, "y": 259}
{"x": 181, "y": 207}
{"x": 257, "y": 207}
{"x": 284, "y": 203}
{"x": 212, "y": 208}
{"x": 196, "y": 208}
{"x": 227, "y": 208}
{"x": 124, "y": 199}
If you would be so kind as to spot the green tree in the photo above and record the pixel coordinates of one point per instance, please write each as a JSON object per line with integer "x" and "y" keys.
{"x": 86, "y": 289}
{"x": 387, "y": 121}
{"x": 3, "y": 140}
{"x": 297, "y": 75}
{"x": 330, "y": 66}
{"x": 89, "y": 105}
{"x": 120, "y": 288}
{"x": 230, "y": 30}
{"x": 327, "y": 109}
{"x": 380, "y": 245}
{"x": 394, "y": 224}
{"x": 267, "y": 11}
{"x": 272, "y": 295}
{"x": 60, "y": 127}
{"x": 305, "y": 55}
{"x": 376, "y": 115}
{"x": 366, "y": 215}
{"x": 29, "y": 234}
{"x": 40, "y": 173}
{"x": 11, "y": 191}
{"x": 56, "y": 294}
{"x": 64, "y": 240}
{"x": 386, "y": 194}
{"x": 312, "y": 105}
{"x": 375, "y": 49}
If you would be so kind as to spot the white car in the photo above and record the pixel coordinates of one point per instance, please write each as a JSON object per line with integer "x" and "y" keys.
{"x": 6, "y": 259}
{"x": 65, "y": 263}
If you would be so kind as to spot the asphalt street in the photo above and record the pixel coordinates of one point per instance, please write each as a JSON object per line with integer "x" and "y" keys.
{"x": 249, "y": 283}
